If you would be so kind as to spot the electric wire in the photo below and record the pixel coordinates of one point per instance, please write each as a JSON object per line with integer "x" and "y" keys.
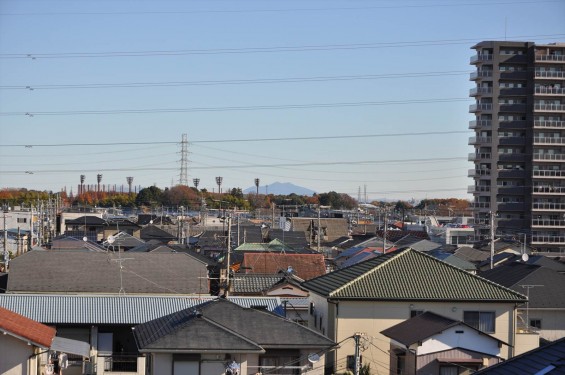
{"x": 233, "y": 108}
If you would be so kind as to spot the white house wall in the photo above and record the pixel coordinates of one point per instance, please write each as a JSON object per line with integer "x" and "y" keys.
{"x": 14, "y": 354}
{"x": 468, "y": 339}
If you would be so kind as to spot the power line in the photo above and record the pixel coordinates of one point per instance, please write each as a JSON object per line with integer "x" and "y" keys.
{"x": 234, "y": 108}
{"x": 234, "y": 81}
{"x": 28, "y": 145}
{"x": 303, "y": 48}
{"x": 281, "y": 10}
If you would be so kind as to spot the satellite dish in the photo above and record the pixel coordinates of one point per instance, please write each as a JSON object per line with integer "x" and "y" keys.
{"x": 150, "y": 221}
{"x": 313, "y": 358}
{"x": 85, "y": 239}
{"x": 111, "y": 239}
{"x": 525, "y": 257}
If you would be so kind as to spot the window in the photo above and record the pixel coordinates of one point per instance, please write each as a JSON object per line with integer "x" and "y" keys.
{"x": 481, "y": 320}
{"x": 22, "y": 219}
{"x": 414, "y": 313}
{"x": 535, "y": 323}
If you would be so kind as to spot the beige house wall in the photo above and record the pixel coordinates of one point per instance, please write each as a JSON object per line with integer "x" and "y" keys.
{"x": 14, "y": 354}
{"x": 552, "y": 322}
{"x": 371, "y": 317}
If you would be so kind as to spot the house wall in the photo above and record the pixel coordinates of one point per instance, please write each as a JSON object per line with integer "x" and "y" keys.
{"x": 162, "y": 364}
{"x": 469, "y": 339}
{"x": 428, "y": 364}
{"x": 14, "y": 354}
{"x": 526, "y": 342}
{"x": 552, "y": 322}
{"x": 372, "y": 317}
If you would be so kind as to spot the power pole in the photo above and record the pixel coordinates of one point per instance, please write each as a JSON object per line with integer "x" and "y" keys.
{"x": 319, "y": 228}
{"x": 228, "y": 258}
{"x": 6, "y": 255}
{"x": 491, "y": 240}
{"x": 357, "y": 337}
{"x": 385, "y": 224}
{"x": 183, "y": 178}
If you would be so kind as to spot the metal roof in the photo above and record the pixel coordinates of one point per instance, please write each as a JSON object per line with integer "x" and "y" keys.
{"x": 111, "y": 309}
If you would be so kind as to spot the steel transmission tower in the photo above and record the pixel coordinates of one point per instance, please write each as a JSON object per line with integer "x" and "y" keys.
{"x": 183, "y": 180}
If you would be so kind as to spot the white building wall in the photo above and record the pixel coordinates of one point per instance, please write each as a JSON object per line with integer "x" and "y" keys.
{"x": 14, "y": 354}
{"x": 468, "y": 339}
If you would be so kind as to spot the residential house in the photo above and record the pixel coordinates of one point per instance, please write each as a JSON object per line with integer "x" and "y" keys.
{"x": 545, "y": 311}
{"x": 214, "y": 335}
{"x": 305, "y": 266}
{"x": 430, "y": 343}
{"x": 381, "y": 292}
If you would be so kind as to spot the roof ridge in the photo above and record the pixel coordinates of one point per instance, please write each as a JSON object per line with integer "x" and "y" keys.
{"x": 366, "y": 274}
{"x": 470, "y": 274}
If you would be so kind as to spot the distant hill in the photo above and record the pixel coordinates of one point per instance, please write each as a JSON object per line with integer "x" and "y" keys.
{"x": 280, "y": 188}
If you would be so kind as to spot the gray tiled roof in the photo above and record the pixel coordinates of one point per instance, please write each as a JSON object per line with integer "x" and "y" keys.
{"x": 252, "y": 283}
{"x": 263, "y": 329}
{"x": 408, "y": 274}
{"x": 95, "y": 309}
{"x": 548, "y": 359}
{"x": 472, "y": 255}
{"x": 94, "y": 272}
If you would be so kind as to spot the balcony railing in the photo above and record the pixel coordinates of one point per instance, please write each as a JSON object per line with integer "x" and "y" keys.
{"x": 480, "y": 58}
{"x": 478, "y": 172}
{"x": 548, "y": 190}
{"x": 480, "y": 74}
{"x": 548, "y": 223}
{"x": 480, "y": 205}
{"x": 479, "y": 140}
{"x": 549, "y": 140}
{"x": 550, "y": 58}
{"x": 481, "y": 156}
{"x": 548, "y": 174}
{"x": 550, "y": 74}
{"x": 549, "y": 124}
{"x": 480, "y": 91}
{"x": 541, "y": 239}
{"x": 545, "y": 206}
{"x": 480, "y": 107}
{"x": 549, "y": 90}
{"x": 478, "y": 189}
{"x": 119, "y": 362}
{"x": 549, "y": 107}
{"x": 545, "y": 157}
{"x": 511, "y": 173}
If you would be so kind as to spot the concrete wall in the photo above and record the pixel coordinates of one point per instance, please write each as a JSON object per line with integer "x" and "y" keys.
{"x": 14, "y": 354}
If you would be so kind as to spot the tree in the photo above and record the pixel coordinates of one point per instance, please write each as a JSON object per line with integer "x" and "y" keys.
{"x": 150, "y": 196}
{"x": 180, "y": 195}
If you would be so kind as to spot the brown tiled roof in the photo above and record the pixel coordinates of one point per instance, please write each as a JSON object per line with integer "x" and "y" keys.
{"x": 16, "y": 324}
{"x": 305, "y": 266}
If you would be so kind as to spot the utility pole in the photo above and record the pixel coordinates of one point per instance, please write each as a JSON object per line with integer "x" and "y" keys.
{"x": 491, "y": 239}
{"x": 319, "y": 228}
{"x": 385, "y": 224}
{"x": 6, "y": 255}
{"x": 357, "y": 337}
{"x": 228, "y": 258}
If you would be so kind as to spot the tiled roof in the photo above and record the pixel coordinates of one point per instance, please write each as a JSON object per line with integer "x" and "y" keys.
{"x": 241, "y": 326}
{"x": 93, "y": 309}
{"x": 547, "y": 289}
{"x": 151, "y": 232}
{"x": 94, "y": 272}
{"x": 251, "y": 283}
{"x": 408, "y": 274}
{"x": 546, "y": 359}
{"x": 453, "y": 260}
{"x": 28, "y": 329}
{"x": 472, "y": 255}
{"x": 305, "y": 266}
{"x": 72, "y": 243}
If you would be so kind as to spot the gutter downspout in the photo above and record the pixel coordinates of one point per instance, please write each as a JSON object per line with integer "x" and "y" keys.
{"x": 335, "y": 331}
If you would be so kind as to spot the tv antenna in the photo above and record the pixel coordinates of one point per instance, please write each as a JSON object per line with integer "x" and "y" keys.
{"x": 111, "y": 239}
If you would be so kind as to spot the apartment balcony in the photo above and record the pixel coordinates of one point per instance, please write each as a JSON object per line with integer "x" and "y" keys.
{"x": 512, "y": 59}
{"x": 519, "y": 75}
{"x": 549, "y": 157}
{"x": 514, "y": 108}
{"x": 511, "y": 223}
{"x": 512, "y": 141}
{"x": 513, "y": 91}
{"x": 549, "y": 91}
{"x": 473, "y": 108}
{"x": 551, "y": 58}
{"x": 549, "y": 141}
{"x": 520, "y": 158}
{"x": 472, "y": 189}
{"x": 548, "y": 174}
{"x": 548, "y": 190}
{"x": 549, "y": 108}
{"x": 479, "y": 91}
{"x": 480, "y": 140}
{"x": 511, "y": 173}
{"x": 510, "y": 207}
{"x": 511, "y": 190}
{"x": 483, "y": 156}
{"x": 478, "y": 172}
{"x": 547, "y": 240}
{"x": 480, "y": 58}
{"x": 549, "y": 124}
{"x": 545, "y": 206}
{"x": 549, "y": 75}
{"x": 480, "y": 205}
{"x": 512, "y": 124}
{"x": 476, "y": 124}
{"x": 480, "y": 74}
{"x": 548, "y": 223}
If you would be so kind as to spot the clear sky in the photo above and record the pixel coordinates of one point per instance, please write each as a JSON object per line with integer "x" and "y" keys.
{"x": 328, "y": 95}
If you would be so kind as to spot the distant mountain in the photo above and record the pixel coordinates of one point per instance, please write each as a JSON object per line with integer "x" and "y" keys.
{"x": 280, "y": 188}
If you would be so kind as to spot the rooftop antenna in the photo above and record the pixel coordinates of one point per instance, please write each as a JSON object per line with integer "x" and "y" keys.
{"x": 120, "y": 261}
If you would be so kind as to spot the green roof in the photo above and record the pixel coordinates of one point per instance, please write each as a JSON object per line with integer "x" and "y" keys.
{"x": 274, "y": 245}
{"x": 407, "y": 274}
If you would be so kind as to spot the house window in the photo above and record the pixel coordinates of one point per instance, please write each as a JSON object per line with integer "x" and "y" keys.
{"x": 22, "y": 220}
{"x": 481, "y": 320}
{"x": 535, "y": 323}
{"x": 414, "y": 313}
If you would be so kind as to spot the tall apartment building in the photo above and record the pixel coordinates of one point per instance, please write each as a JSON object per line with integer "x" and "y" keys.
{"x": 519, "y": 158}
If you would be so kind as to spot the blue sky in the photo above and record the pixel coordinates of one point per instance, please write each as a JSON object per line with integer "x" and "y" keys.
{"x": 382, "y": 89}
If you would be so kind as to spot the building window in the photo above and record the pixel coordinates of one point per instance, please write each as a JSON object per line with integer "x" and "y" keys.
{"x": 481, "y": 320}
{"x": 535, "y": 323}
{"x": 22, "y": 220}
{"x": 414, "y": 313}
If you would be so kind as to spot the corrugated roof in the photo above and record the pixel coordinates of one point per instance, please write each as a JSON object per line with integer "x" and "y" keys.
{"x": 408, "y": 274}
{"x": 111, "y": 309}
